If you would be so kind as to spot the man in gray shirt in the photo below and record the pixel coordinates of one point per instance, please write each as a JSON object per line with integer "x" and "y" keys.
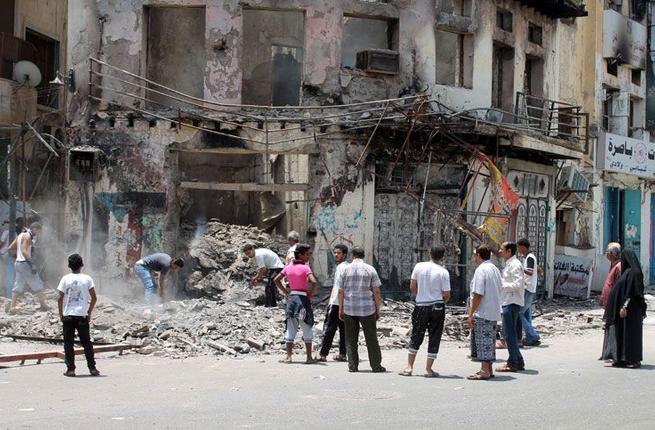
{"x": 160, "y": 263}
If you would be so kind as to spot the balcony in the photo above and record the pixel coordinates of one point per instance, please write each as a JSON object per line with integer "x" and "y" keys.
{"x": 551, "y": 118}
{"x": 557, "y": 8}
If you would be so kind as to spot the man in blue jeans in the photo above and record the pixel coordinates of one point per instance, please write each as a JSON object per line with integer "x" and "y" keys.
{"x": 159, "y": 263}
{"x": 530, "y": 269}
{"x": 512, "y": 299}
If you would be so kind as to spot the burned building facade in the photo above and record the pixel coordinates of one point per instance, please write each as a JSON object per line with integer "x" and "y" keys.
{"x": 389, "y": 124}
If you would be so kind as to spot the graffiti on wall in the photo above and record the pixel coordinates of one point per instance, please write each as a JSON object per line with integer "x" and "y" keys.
{"x": 137, "y": 223}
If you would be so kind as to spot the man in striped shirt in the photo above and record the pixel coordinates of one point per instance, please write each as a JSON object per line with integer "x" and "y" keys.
{"x": 359, "y": 305}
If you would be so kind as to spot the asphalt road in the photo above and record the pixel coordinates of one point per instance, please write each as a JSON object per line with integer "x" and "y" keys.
{"x": 564, "y": 386}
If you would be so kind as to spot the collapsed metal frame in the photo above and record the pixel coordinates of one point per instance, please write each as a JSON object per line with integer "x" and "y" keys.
{"x": 122, "y": 90}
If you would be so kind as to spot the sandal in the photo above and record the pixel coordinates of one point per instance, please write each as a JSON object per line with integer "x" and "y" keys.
{"x": 285, "y": 360}
{"x": 431, "y": 374}
{"x": 506, "y": 368}
{"x": 405, "y": 373}
{"x": 478, "y": 377}
{"x": 339, "y": 357}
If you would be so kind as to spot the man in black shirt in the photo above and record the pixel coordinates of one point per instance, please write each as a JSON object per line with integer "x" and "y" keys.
{"x": 159, "y": 263}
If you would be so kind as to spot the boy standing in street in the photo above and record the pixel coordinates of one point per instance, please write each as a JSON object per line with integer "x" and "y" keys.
{"x": 77, "y": 298}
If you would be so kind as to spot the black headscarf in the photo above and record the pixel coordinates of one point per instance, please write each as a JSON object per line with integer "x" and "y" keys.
{"x": 630, "y": 285}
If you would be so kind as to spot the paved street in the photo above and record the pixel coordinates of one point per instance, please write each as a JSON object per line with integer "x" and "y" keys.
{"x": 565, "y": 386}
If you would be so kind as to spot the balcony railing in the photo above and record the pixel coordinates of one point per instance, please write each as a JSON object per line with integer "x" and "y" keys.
{"x": 551, "y": 118}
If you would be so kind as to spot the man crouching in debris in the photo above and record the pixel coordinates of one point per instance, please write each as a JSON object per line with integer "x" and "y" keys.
{"x": 77, "y": 298}
{"x": 268, "y": 263}
{"x": 27, "y": 275}
{"x": 299, "y": 307}
{"x": 159, "y": 263}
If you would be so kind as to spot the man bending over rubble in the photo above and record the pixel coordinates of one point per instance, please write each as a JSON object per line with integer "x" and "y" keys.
{"x": 299, "y": 307}
{"x": 27, "y": 275}
{"x": 77, "y": 298}
{"x": 268, "y": 263}
{"x": 159, "y": 263}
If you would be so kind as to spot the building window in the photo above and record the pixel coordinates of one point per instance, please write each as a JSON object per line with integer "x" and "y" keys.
{"x": 454, "y": 59}
{"x": 456, "y": 7}
{"x": 636, "y": 77}
{"x": 47, "y": 60}
{"x": 504, "y": 20}
{"x": 615, "y": 5}
{"x": 175, "y": 52}
{"x": 612, "y": 67}
{"x": 272, "y": 70}
{"x": 535, "y": 34}
{"x": 502, "y": 86}
{"x": 611, "y": 98}
{"x": 7, "y": 16}
{"x": 361, "y": 34}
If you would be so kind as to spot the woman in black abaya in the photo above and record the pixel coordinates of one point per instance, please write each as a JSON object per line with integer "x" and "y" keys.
{"x": 624, "y": 314}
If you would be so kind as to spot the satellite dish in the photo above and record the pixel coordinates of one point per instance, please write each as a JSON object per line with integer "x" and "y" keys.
{"x": 26, "y": 73}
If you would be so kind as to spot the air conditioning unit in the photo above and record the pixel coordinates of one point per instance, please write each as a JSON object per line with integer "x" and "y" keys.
{"x": 378, "y": 61}
{"x": 570, "y": 179}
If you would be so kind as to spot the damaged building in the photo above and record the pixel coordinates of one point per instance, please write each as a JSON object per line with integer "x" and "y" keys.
{"x": 389, "y": 124}
{"x": 33, "y": 74}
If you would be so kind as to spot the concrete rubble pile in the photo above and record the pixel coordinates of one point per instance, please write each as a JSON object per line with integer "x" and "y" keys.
{"x": 201, "y": 326}
{"x": 219, "y": 269}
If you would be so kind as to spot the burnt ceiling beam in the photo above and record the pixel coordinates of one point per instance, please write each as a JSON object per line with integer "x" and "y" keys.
{"x": 557, "y": 8}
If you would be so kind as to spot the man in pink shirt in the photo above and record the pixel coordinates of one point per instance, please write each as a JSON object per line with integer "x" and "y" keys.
{"x": 613, "y": 254}
{"x": 299, "y": 312}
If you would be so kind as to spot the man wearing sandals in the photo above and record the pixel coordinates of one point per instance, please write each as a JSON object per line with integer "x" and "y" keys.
{"x": 430, "y": 283}
{"x": 512, "y": 298}
{"x": 484, "y": 312}
{"x": 298, "y": 312}
{"x": 332, "y": 321}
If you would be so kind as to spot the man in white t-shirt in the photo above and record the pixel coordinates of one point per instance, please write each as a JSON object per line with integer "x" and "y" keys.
{"x": 332, "y": 321}
{"x": 268, "y": 264}
{"x": 530, "y": 269}
{"x": 77, "y": 298}
{"x": 430, "y": 284}
{"x": 484, "y": 312}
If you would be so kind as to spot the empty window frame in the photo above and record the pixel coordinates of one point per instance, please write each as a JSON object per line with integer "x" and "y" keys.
{"x": 636, "y": 118}
{"x": 175, "y": 41}
{"x": 636, "y": 76}
{"x": 454, "y": 59}
{"x": 609, "y": 104}
{"x": 47, "y": 60}
{"x": 502, "y": 86}
{"x": 615, "y": 5}
{"x": 504, "y": 20}
{"x": 361, "y": 34}
{"x": 456, "y": 7}
{"x": 272, "y": 70}
{"x": 535, "y": 34}
{"x": 612, "y": 67}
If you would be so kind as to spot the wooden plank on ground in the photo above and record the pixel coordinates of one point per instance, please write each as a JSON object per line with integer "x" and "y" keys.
{"x": 223, "y": 186}
{"x": 59, "y": 354}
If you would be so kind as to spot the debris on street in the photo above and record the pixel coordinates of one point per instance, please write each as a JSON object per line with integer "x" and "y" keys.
{"x": 201, "y": 326}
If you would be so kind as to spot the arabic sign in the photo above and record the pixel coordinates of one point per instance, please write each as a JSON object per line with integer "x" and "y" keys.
{"x": 626, "y": 155}
{"x": 572, "y": 276}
